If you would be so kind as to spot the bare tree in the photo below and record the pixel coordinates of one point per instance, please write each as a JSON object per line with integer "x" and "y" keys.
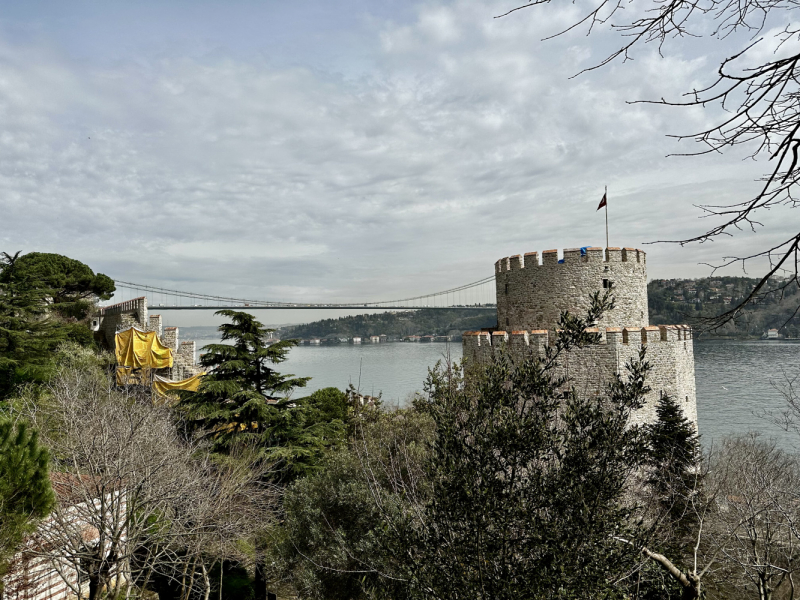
{"x": 135, "y": 498}
{"x": 760, "y": 102}
{"x": 229, "y": 504}
{"x": 755, "y": 524}
{"x": 745, "y": 538}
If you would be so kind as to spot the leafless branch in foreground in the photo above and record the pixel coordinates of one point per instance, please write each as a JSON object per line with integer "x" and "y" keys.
{"x": 760, "y": 102}
{"x": 135, "y": 499}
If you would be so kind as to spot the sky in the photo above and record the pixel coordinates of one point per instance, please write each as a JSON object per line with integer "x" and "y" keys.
{"x": 316, "y": 151}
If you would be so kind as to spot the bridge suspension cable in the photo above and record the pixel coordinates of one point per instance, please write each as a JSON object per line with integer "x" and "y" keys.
{"x": 477, "y": 294}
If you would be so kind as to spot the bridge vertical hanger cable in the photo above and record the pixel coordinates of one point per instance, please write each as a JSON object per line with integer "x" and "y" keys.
{"x": 177, "y": 299}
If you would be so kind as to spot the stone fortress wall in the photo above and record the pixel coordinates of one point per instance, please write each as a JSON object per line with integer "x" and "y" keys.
{"x": 133, "y": 313}
{"x": 531, "y": 296}
{"x": 116, "y": 317}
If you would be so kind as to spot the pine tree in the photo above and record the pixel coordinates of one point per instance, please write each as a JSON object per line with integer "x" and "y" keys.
{"x": 25, "y": 492}
{"x": 29, "y": 332}
{"x": 70, "y": 286}
{"x": 674, "y": 480}
{"x": 674, "y": 451}
{"x": 243, "y": 399}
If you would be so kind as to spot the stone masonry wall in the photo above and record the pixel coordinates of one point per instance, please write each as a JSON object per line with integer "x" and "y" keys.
{"x": 669, "y": 350}
{"x": 134, "y": 313}
{"x": 532, "y": 296}
{"x": 184, "y": 365}
{"x": 156, "y": 324}
{"x": 122, "y": 315}
{"x": 170, "y": 338}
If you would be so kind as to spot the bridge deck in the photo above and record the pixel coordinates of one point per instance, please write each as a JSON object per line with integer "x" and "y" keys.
{"x": 157, "y": 307}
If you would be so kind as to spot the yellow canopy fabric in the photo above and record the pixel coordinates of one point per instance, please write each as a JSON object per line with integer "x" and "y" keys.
{"x": 164, "y": 386}
{"x": 129, "y": 376}
{"x": 141, "y": 349}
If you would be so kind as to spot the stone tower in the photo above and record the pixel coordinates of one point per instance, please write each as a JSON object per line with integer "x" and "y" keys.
{"x": 531, "y": 295}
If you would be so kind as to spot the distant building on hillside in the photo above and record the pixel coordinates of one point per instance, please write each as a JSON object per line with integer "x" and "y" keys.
{"x": 773, "y": 334}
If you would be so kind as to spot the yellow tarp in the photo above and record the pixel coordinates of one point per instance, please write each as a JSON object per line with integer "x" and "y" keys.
{"x": 129, "y": 376}
{"x": 142, "y": 349}
{"x": 164, "y": 386}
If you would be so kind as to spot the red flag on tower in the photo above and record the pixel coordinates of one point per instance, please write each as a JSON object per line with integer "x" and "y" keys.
{"x": 604, "y": 203}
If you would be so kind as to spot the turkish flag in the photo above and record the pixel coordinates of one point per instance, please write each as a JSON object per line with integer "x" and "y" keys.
{"x": 603, "y": 202}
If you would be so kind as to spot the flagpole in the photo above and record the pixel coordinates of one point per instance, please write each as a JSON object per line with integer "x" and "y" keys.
{"x": 606, "y": 197}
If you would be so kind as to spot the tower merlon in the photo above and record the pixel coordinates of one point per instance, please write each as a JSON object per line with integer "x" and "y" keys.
{"x": 549, "y": 257}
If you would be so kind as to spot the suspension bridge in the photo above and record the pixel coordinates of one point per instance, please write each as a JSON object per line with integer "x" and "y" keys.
{"x": 471, "y": 296}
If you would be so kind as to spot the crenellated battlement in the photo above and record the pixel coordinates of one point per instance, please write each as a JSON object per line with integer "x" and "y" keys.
{"x": 133, "y": 305}
{"x": 533, "y": 290}
{"x": 121, "y": 315}
{"x": 570, "y": 256}
{"x": 608, "y": 336}
{"x": 669, "y": 351}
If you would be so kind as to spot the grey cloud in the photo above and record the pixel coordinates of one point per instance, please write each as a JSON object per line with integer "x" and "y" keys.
{"x": 466, "y": 142}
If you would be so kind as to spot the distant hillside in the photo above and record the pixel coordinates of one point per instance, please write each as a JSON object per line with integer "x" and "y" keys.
{"x": 672, "y": 301}
{"x": 690, "y": 300}
{"x": 417, "y": 322}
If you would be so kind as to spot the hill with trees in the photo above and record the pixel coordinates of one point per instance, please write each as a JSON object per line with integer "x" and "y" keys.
{"x": 410, "y": 322}
{"x": 693, "y": 301}
{"x": 671, "y": 301}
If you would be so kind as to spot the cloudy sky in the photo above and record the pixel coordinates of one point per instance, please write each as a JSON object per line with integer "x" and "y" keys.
{"x": 352, "y": 150}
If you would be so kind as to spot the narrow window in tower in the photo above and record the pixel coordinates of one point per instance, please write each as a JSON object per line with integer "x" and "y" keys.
{"x": 605, "y": 284}
{"x": 506, "y": 288}
{"x": 506, "y": 321}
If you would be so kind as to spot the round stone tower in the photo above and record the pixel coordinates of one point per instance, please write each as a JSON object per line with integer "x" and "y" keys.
{"x": 531, "y": 295}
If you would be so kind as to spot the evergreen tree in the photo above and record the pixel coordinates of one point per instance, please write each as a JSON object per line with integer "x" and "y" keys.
{"x": 674, "y": 480}
{"x": 674, "y": 452}
{"x": 25, "y": 492}
{"x": 70, "y": 286}
{"x": 29, "y": 332}
{"x": 528, "y": 479}
{"x": 243, "y": 399}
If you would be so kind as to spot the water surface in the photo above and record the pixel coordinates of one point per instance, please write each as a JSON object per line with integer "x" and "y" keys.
{"x": 736, "y": 380}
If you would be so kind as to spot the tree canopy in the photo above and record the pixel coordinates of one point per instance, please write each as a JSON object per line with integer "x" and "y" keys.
{"x": 244, "y": 400}
{"x": 529, "y": 479}
{"x": 29, "y": 332}
{"x": 68, "y": 279}
{"x": 67, "y": 284}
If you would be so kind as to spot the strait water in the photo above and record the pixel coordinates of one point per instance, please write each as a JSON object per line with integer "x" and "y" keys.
{"x": 736, "y": 380}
